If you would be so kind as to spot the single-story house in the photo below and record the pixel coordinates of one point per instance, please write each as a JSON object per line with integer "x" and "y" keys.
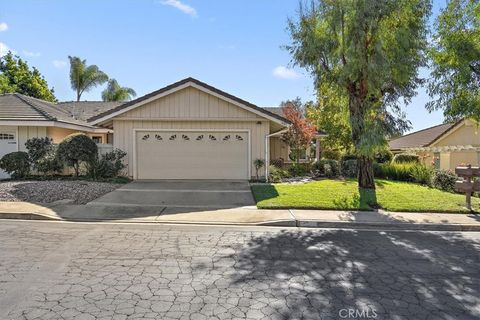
{"x": 187, "y": 130}
{"x": 444, "y": 146}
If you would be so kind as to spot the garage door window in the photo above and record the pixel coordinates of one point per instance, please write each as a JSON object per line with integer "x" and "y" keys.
{"x": 7, "y": 136}
{"x": 195, "y": 137}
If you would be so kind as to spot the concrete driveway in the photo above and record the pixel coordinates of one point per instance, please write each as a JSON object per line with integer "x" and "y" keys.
{"x": 177, "y": 196}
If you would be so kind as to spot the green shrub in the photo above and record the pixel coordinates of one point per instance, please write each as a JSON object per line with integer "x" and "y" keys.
{"x": 422, "y": 174}
{"x": 258, "y": 164}
{"x": 108, "y": 166}
{"x": 406, "y": 158}
{"x": 38, "y": 148}
{"x": 42, "y": 154}
{"x": 444, "y": 180}
{"x": 299, "y": 169}
{"x": 49, "y": 164}
{"x": 327, "y": 167}
{"x": 16, "y": 164}
{"x": 330, "y": 154}
{"x": 384, "y": 156}
{"x": 394, "y": 171}
{"x": 277, "y": 174}
{"x": 349, "y": 168}
{"x": 347, "y": 157}
{"x": 279, "y": 163}
{"x": 77, "y": 148}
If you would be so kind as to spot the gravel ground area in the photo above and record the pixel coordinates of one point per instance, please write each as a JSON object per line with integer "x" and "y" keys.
{"x": 80, "y": 192}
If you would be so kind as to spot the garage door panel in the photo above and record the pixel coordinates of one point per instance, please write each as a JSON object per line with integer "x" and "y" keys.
{"x": 192, "y": 155}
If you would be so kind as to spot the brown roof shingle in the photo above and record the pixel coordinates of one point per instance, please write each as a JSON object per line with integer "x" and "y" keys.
{"x": 420, "y": 138}
{"x": 83, "y": 110}
{"x": 18, "y": 107}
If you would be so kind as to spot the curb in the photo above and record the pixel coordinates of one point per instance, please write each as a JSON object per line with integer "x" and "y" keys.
{"x": 388, "y": 226}
{"x": 27, "y": 216}
{"x": 273, "y": 223}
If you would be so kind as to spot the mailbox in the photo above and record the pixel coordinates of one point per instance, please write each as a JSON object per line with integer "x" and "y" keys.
{"x": 468, "y": 171}
{"x": 468, "y": 186}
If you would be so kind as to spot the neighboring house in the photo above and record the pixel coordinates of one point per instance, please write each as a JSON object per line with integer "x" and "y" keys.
{"x": 22, "y": 118}
{"x": 187, "y": 130}
{"x": 445, "y": 146}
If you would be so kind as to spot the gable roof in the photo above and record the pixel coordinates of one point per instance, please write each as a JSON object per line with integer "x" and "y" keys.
{"x": 108, "y": 114}
{"x": 421, "y": 138}
{"x": 275, "y": 110}
{"x": 18, "y": 107}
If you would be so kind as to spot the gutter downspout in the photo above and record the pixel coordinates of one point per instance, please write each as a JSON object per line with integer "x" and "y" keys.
{"x": 267, "y": 149}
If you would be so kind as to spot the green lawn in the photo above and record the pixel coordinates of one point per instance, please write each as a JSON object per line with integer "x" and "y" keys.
{"x": 337, "y": 194}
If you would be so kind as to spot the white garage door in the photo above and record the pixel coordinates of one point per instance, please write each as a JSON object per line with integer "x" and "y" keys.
{"x": 192, "y": 154}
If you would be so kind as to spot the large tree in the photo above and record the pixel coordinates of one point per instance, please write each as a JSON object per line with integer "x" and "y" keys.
{"x": 369, "y": 52}
{"x": 114, "y": 92}
{"x": 17, "y": 76}
{"x": 83, "y": 77}
{"x": 455, "y": 54}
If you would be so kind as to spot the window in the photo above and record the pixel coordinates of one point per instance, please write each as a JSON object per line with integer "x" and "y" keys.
{"x": 436, "y": 160}
{"x": 7, "y": 136}
{"x": 97, "y": 139}
{"x": 303, "y": 154}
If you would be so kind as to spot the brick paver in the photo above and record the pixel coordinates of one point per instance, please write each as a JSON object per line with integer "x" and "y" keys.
{"x": 51, "y": 270}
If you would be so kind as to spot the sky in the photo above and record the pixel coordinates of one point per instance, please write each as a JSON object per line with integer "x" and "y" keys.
{"x": 234, "y": 45}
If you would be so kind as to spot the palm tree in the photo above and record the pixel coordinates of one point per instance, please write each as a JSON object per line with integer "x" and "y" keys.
{"x": 114, "y": 92}
{"x": 83, "y": 78}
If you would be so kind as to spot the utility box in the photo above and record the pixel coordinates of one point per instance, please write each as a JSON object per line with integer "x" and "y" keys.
{"x": 468, "y": 185}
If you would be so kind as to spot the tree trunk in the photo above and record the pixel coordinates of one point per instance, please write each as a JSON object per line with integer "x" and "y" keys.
{"x": 365, "y": 173}
{"x": 76, "y": 167}
{"x": 357, "y": 124}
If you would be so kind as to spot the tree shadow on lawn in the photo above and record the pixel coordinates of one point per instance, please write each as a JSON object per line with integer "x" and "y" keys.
{"x": 264, "y": 192}
{"x": 399, "y": 275}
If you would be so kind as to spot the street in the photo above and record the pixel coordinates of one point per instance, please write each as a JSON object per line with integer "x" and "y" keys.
{"x": 56, "y": 270}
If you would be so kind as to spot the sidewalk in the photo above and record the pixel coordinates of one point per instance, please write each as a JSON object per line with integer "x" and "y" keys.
{"x": 243, "y": 216}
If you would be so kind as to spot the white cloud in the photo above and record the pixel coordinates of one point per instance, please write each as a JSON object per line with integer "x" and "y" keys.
{"x": 285, "y": 73}
{"x": 59, "y": 64}
{"x": 3, "y": 26}
{"x": 185, "y": 8}
{"x": 31, "y": 54}
{"x": 3, "y": 49}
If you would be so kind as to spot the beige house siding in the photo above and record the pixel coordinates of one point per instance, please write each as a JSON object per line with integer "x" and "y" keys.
{"x": 58, "y": 134}
{"x": 25, "y": 133}
{"x": 189, "y": 103}
{"x": 463, "y": 158}
{"x": 124, "y": 134}
{"x": 278, "y": 149}
{"x": 467, "y": 133}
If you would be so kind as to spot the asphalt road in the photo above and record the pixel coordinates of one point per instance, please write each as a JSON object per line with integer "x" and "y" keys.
{"x": 52, "y": 270}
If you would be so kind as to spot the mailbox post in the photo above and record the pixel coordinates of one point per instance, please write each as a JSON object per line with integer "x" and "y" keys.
{"x": 467, "y": 185}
